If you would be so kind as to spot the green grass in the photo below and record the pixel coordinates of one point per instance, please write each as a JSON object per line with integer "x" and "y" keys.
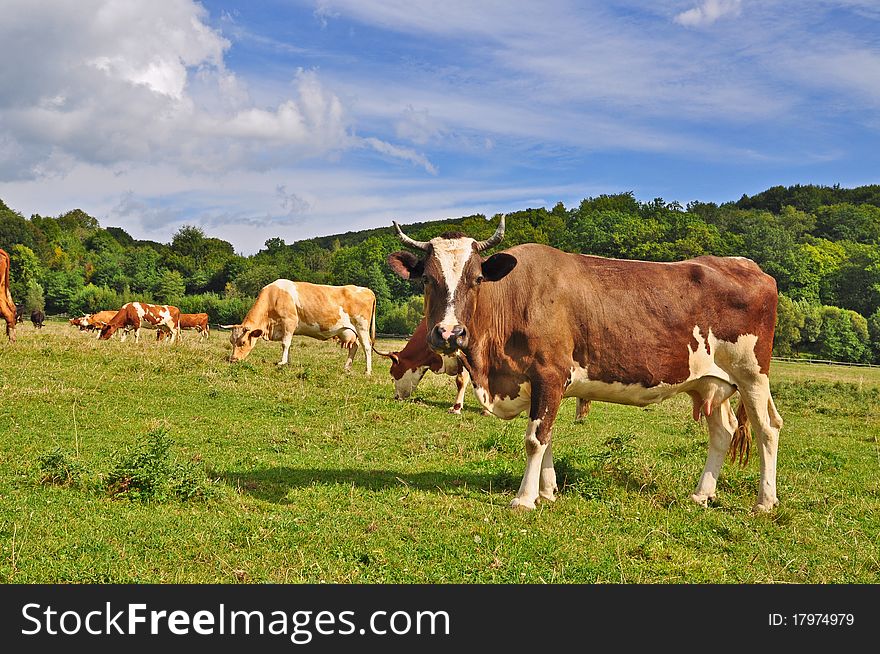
{"x": 308, "y": 474}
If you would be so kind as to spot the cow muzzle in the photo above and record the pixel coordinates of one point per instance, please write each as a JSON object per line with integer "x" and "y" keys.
{"x": 444, "y": 340}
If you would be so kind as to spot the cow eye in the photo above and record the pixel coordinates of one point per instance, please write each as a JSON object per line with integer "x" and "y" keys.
{"x": 479, "y": 279}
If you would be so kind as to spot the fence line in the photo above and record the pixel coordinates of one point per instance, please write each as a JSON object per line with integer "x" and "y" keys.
{"x": 827, "y": 362}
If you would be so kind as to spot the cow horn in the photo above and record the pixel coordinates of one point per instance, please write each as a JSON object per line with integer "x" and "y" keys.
{"x": 226, "y": 326}
{"x": 421, "y": 245}
{"x": 388, "y": 355}
{"x": 493, "y": 240}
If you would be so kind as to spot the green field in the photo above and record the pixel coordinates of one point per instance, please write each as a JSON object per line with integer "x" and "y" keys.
{"x": 308, "y": 474}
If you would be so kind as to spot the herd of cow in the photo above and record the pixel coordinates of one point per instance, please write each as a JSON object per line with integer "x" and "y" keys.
{"x": 532, "y": 325}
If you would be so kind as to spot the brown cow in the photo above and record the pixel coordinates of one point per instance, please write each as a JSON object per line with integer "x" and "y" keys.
{"x": 534, "y": 324}
{"x": 197, "y": 321}
{"x": 134, "y": 315}
{"x": 285, "y": 309}
{"x": 410, "y": 364}
{"x": 7, "y": 304}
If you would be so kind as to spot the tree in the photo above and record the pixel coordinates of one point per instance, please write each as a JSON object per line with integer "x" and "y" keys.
{"x": 789, "y": 322}
{"x": 874, "y": 334}
{"x": 171, "y": 287}
{"x": 24, "y": 269}
{"x": 843, "y": 336}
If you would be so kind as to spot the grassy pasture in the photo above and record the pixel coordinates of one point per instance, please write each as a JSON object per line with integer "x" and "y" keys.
{"x": 314, "y": 475}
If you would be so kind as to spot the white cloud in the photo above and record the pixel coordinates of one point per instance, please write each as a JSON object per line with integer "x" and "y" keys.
{"x": 708, "y": 12}
{"x": 113, "y": 82}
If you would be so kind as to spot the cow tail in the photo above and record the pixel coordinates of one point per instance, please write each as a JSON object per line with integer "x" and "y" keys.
{"x": 373, "y": 321}
{"x": 741, "y": 442}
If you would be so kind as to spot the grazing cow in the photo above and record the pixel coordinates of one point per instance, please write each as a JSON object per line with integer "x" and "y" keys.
{"x": 37, "y": 318}
{"x": 410, "y": 364}
{"x": 19, "y": 313}
{"x": 285, "y": 309}
{"x": 197, "y": 321}
{"x": 534, "y": 324}
{"x": 7, "y": 305}
{"x": 134, "y": 315}
{"x": 93, "y": 321}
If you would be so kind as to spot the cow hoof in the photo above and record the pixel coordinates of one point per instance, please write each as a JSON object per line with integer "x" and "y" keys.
{"x": 702, "y": 500}
{"x": 547, "y": 497}
{"x": 521, "y": 504}
{"x": 765, "y": 507}
{"x": 455, "y": 411}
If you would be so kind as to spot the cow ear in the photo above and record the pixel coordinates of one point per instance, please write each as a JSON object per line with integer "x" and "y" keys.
{"x": 406, "y": 264}
{"x": 497, "y": 266}
{"x": 255, "y": 333}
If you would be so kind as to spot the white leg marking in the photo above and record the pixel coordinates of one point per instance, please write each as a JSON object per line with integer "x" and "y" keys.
{"x": 285, "y": 349}
{"x": 547, "y": 488}
{"x": 461, "y": 381}
{"x": 528, "y": 489}
{"x": 722, "y": 425}
{"x": 364, "y": 337}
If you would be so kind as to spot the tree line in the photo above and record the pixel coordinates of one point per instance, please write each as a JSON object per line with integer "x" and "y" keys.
{"x": 820, "y": 243}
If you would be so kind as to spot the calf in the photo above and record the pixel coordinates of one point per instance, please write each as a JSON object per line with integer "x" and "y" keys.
{"x": 37, "y": 318}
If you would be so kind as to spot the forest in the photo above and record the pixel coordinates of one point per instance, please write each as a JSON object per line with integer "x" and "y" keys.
{"x": 820, "y": 243}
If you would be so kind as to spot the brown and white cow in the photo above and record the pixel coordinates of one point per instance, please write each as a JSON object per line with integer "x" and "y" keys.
{"x": 7, "y": 304}
{"x": 410, "y": 364}
{"x": 197, "y": 321}
{"x": 134, "y": 315}
{"x": 285, "y": 309}
{"x": 534, "y": 324}
{"x": 93, "y": 321}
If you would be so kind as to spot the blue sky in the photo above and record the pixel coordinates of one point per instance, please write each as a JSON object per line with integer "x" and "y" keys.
{"x": 302, "y": 118}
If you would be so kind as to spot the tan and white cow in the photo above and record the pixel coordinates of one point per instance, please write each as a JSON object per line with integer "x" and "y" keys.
{"x": 534, "y": 324}
{"x": 285, "y": 309}
{"x": 134, "y": 315}
{"x": 7, "y": 304}
{"x": 93, "y": 321}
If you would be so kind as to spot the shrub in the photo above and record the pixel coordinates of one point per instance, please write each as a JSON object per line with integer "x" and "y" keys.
{"x": 57, "y": 467}
{"x": 147, "y": 472}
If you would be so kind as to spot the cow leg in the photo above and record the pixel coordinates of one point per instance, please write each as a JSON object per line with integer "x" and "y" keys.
{"x": 462, "y": 380}
{"x": 539, "y": 474}
{"x": 547, "y": 484}
{"x": 722, "y": 424}
{"x": 285, "y": 348}
{"x": 583, "y": 409}
{"x": 363, "y": 335}
{"x": 352, "y": 350}
{"x": 766, "y": 422}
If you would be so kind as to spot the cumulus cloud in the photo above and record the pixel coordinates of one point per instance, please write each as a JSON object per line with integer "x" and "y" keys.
{"x": 708, "y": 12}
{"x": 112, "y": 82}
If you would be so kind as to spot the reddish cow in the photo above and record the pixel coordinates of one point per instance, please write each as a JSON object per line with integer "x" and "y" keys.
{"x": 7, "y": 305}
{"x": 534, "y": 324}
{"x": 197, "y": 321}
{"x": 134, "y": 315}
{"x": 410, "y": 364}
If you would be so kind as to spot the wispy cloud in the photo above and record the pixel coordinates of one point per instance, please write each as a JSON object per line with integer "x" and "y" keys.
{"x": 708, "y": 12}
